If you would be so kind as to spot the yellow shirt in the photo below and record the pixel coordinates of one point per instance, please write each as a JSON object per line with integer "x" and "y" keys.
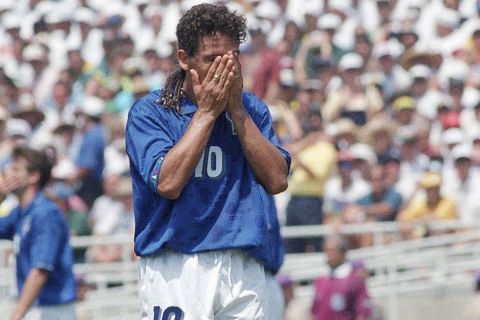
{"x": 418, "y": 210}
{"x": 320, "y": 158}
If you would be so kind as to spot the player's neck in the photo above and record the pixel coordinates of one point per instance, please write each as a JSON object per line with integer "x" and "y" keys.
{"x": 27, "y": 196}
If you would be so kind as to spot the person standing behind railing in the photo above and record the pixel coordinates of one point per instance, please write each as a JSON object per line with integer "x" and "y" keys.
{"x": 425, "y": 208}
{"x": 342, "y": 294}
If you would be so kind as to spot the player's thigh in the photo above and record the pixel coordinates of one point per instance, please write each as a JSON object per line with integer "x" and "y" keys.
{"x": 242, "y": 293}
{"x": 175, "y": 286}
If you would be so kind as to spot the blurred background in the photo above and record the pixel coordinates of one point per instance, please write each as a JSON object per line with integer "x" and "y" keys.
{"x": 378, "y": 101}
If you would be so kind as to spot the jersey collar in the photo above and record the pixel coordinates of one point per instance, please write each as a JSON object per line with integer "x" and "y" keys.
{"x": 187, "y": 106}
{"x": 36, "y": 199}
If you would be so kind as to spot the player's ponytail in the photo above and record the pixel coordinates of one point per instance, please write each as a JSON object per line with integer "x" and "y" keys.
{"x": 172, "y": 93}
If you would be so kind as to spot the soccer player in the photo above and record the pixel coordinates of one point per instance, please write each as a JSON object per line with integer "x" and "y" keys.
{"x": 44, "y": 259}
{"x": 205, "y": 162}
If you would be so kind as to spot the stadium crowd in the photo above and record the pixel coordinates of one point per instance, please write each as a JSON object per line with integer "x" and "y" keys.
{"x": 378, "y": 102}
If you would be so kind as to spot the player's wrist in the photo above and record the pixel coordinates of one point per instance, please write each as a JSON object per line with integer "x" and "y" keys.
{"x": 236, "y": 110}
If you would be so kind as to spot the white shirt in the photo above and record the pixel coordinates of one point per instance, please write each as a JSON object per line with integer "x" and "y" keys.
{"x": 336, "y": 198}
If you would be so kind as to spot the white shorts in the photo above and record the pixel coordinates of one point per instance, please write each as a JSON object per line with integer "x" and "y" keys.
{"x": 55, "y": 312}
{"x": 216, "y": 285}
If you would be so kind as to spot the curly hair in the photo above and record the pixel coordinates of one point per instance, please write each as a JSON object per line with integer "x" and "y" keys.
{"x": 200, "y": 21}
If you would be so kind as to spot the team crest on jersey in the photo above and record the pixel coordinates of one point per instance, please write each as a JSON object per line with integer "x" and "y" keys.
{"x": 227, "y": 116}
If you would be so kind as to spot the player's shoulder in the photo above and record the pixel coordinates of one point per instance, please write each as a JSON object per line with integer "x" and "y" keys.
{"x": 253, "y": 103}
{"x": 146, "y": 104}
{"x": 45, "y": 208}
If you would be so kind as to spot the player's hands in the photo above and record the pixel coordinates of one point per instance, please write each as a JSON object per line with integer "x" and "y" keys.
{"x": 8, "y": 183}
{"x": 235, "y": 97}
{"x": 212, "y": 93}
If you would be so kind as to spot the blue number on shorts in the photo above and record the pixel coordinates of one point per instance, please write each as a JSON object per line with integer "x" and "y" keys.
{"x": 157, "y": 311}
{"x": 171, "y": 313}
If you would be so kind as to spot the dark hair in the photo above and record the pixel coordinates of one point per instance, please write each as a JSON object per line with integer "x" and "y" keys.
{"x": 37, "y": 162}
{"x": 200, "y": 21}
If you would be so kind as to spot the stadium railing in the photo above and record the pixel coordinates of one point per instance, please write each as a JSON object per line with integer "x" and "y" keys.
{"x": 397, "y": 268}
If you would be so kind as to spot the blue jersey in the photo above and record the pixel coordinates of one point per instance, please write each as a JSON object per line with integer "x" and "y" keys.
{"x": 91, "y": 151}
{"x": 41, "y": 240}
{"x": 223, "y": 205}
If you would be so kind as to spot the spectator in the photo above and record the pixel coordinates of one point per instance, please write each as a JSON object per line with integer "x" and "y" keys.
{"x": 352, "y": 100}
{"x": 313, "y": 160}
{"x": 342, "y": 190}
{"x": 90, "y": 158}
{"x": 342, "y": 293}
{"x": 427, "y": 207}
{"x": 463, "y": 185}
{"x": 261, "y": 62}
{"x": 412, "y": 163}
{"x": 382, "y": 203}
{"x": 116, "y": 219}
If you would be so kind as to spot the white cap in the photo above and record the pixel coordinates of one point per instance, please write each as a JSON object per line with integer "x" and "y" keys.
{"x": 140, "y": 2}
{"x": 420, "y": 71}
{"x": 268, "y": 10}
{"x": 470, "y": 97}
{"x": 463, "y": 150}
{"x": 64, "y": 169}
{"x": 92, "y": 106}
{"x": 34, "y": 52}
{"x": 453, "y": 136}
{"x": 58, "y": 15}
{"x": 153, "y": 10}
{"x": 448, "y": 18}
{"x": 44, "y": 7}
{"x": 11, "y": 20}
{"x": 340, "y": 5}
{"x": 350, "y": 61}
{"x": 84, "y": 15}
{"x": 17, "y": 127}
{"x": 390, "y": 48}
{"x": 287, "y": 77}
{"x": 329, "y": 21}
{"x": 6, "y": 4}
{"x": 454, "y": 69}
{"x": 363, "y": 151}
{"x": 313, "y": 8}
{"x": 236, "y": 7}
{"x": 264, "y": 26}
{"x": 187, "y": 4}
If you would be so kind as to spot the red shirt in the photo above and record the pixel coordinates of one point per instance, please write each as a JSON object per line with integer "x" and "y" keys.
{"x": 341, "y": 296}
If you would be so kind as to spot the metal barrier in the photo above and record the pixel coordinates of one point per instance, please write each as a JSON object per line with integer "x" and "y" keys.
{"x": 446, "y": 261}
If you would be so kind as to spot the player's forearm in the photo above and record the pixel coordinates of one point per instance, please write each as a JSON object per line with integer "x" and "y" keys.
{"x": 267, "y": 162}
{"x": 34, "y": 283}
{"x": 180, "y": 162}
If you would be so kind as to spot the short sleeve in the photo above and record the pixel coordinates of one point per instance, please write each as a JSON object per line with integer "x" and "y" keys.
{"x": 394, "y": 199}
{"x": 47, "y": 238}
{"x": 148, "y": 139}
